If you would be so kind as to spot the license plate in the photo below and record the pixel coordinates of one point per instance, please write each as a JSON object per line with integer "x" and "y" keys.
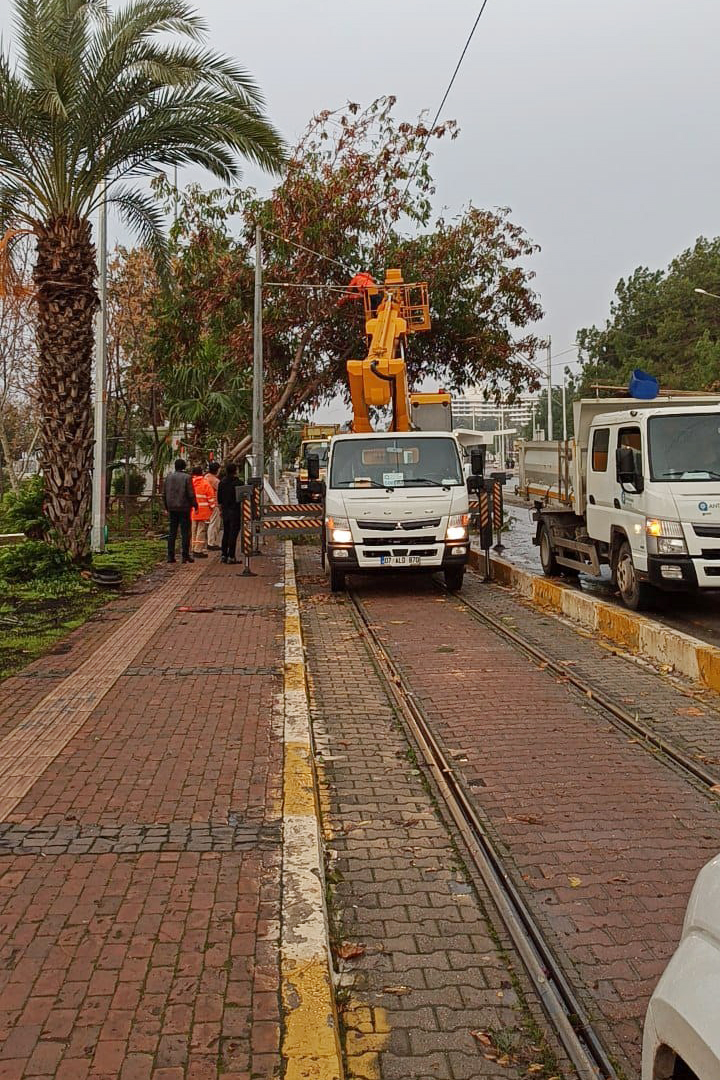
{"x": 400, "y": 560}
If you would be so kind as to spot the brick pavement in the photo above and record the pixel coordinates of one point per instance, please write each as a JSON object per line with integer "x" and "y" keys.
{"x": 604, "y": 839}
{"x": 671, "y": 706}
{"x": 140, "y": 873}
{"x": 430, "y": 972}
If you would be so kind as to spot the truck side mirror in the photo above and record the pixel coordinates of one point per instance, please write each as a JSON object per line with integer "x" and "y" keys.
{"x": 628, "y": 469}
{"x": 313, "y": 466}
{"x": 477, "y": 460}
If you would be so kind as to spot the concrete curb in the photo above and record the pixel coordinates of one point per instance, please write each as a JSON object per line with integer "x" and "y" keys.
{"x": 310, "y": 1040}
{"x": 689, "y": 656}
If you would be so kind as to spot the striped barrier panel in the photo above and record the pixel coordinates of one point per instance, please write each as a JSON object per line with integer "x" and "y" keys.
{"x": 246, "y": 531}
{"x": 273, "y": 510}
{"x": 497, "y": 505}
{"x": 291, "y": 525}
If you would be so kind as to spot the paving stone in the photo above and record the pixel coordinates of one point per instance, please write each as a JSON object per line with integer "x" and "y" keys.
{"x": 124, "y": 865}
{"x": 589, "y": 823}
{"x": 384, "y": 837}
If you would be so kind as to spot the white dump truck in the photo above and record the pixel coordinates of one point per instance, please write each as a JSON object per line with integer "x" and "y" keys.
{"x": 637, "y": 489}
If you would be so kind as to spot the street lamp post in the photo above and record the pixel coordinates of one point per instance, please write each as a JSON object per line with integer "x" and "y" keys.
{"x": 704, "y": 292}
{"x": 549, "y": 434}
{"x": 97, "y": 535}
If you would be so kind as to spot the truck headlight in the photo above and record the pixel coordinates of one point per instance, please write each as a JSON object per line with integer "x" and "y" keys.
{"x": 665, "y": 537}
{"x": 339, "y": 529}
{"x": 671, "y": 545}
{"x": 457, "y": 527}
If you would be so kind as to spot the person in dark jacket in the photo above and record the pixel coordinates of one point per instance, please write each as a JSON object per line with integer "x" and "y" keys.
{"x": 179, "y": 499}
{"x": 231, "y": 511}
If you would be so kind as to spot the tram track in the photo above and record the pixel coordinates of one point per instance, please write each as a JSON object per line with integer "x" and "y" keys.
{"x": 561, "y": 1003}
{"x": 621, "y": 718}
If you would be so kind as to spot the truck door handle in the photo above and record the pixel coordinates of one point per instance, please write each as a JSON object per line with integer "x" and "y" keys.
{"x": 616, "y": 504}
{"x": 591, "y": 499}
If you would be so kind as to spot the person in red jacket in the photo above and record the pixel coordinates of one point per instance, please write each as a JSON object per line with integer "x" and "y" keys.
{"x": 205, "y": 495}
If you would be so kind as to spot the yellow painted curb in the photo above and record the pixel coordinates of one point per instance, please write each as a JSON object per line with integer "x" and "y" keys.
{"x": 661, "y": 644}
{"x": 310, "y": 1041}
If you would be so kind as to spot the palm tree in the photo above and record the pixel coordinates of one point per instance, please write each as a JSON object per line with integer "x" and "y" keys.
{"x": 98, "y": 98}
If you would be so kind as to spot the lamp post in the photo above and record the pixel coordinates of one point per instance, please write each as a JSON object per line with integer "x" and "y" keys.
{"x": 258, "y": 442}
{"x": 704, "y": 292}
{"x": 97, "y": 535}
{"x": 564, "y": 409}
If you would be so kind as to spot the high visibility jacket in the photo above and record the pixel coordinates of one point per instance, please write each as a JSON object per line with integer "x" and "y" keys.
{"x": 205, "y": 499}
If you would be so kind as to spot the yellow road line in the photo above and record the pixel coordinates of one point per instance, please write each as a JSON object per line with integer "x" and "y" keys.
{"x": 28, "y": 750}
{"x": 310, "y": 1043}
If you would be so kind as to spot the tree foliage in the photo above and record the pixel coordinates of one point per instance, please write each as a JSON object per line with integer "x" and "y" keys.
{"x": 660, "y": 324}
{"x": 357, "y": 196}
{"x": 350, "y": 200}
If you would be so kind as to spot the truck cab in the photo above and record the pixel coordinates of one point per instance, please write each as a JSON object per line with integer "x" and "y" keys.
{"x": 308, "y": 490}
{"x": 653, "y": 497}
{"x": 396, "y": 501}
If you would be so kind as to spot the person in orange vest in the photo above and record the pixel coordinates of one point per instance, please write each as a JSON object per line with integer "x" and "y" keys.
{"x": 360, "y": 283}
{"x": 202, "y": 513}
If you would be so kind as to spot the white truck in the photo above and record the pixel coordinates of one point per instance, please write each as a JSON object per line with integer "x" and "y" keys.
{"x": 637, "y": 489}
{"x": 396, "y": 501}
{"x": 681, "y": 1040}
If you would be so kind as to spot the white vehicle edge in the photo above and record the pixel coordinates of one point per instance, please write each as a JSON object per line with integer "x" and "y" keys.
{"x": 682, "y": 1027}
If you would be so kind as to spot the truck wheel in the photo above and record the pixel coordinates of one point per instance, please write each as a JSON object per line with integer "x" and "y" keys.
{"x": 337, "y": 579}
{"x": 547, "y": 555}
{"x": 454, "y": 578}
{"x": 635, "y": 594}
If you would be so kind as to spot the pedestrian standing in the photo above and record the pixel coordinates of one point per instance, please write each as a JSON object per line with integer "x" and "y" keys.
{"x": 215, "y": 523}
{"x": 179, "y": 500}
{"x": 205, "y": 500}
{"x": 231, "y": 511}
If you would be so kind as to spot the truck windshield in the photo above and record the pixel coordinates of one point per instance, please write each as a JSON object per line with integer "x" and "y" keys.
{"x": 319, "y": 448}
{"x": 684, "y": 447}
{"x": 391, "y": 462}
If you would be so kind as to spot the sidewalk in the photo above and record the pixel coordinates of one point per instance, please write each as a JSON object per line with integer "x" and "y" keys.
{"x": 141, "y": 781}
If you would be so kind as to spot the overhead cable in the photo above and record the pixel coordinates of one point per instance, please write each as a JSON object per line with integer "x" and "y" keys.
{"x": 418, "y": 159}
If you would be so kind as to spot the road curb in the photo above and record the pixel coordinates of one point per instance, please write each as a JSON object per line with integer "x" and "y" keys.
{"x": 310, "y": 1040}
{"x": 687, "y": 655}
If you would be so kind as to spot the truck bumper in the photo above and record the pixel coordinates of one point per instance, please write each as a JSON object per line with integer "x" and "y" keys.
{"x": 345, "y": 556}
{"x": 672, "y": 572}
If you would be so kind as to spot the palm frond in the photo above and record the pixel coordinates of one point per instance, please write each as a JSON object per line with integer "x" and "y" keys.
{"x": 103, "y": 96}
{"x": 142, "y": 214}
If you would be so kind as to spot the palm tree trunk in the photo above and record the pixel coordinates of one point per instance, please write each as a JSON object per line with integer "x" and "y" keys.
{"x": 67, "y": 301}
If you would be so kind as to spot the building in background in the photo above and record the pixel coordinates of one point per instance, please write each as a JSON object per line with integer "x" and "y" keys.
{"x": 510, "y": 421}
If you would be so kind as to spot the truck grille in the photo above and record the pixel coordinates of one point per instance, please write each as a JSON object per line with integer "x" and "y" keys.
{"x": 425, "y": 552}
{"x": 707, "y": 530}
{"x": 396, "y": 540}
{"x": 390, "y": 526}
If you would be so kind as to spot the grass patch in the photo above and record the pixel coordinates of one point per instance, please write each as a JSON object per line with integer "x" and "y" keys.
{"x": 35, "y": 614}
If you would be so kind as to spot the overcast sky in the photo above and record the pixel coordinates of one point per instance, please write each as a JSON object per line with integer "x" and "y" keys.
{"x": 596, "y": 123}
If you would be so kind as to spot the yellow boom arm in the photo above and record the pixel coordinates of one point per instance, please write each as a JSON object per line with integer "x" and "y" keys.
{"x": 392, "y": 311}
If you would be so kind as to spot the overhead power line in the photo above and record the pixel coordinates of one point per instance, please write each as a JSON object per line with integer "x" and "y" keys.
{"x": 449, "y": 87}
{"x": 301, "y": 247}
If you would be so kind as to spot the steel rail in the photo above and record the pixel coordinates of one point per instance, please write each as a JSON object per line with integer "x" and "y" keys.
{"x": 620, "y": 718}
{"x": 559, "y": 1001}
